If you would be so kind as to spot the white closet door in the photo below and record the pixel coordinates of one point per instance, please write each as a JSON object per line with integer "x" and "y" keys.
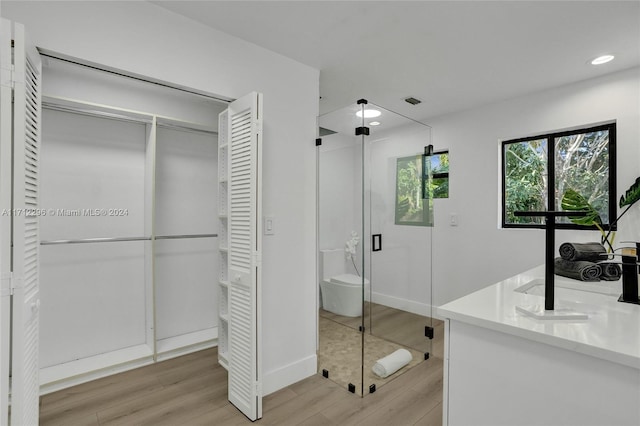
{"x": 245, "y": 154}
{"x": 25, "y": 389}
{"x": 5, "y": 216}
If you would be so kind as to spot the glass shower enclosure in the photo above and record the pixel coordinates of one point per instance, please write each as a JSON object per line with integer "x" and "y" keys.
{"x": 375, "y": 221}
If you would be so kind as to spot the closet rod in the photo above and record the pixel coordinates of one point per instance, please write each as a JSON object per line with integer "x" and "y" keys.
{"x": 121, "y": 239}
{"x": 176, "y": 237}
{"x": 94, "y": 240}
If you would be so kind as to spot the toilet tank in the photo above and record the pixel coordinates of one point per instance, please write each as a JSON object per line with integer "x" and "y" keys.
{"x": 332, "y": 263}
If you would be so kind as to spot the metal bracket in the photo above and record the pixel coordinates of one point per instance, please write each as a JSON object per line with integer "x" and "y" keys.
{"x": 362, "y": 131}
{"x": 428, "y": 332}
{"x": 372, "y": 388}
{"x": 426, "y": 356}
{"x": 325, "y": 373}
{"x": 318, "y": 141}
{"x": 352, "y": 388}
{"x": 360, "y": 328}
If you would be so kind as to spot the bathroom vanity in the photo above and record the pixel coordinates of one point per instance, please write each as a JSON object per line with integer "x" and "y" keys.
{"x": 503, "y": 367}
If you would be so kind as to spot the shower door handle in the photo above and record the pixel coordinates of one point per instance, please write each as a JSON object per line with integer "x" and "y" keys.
{"x": 376, "y": 242}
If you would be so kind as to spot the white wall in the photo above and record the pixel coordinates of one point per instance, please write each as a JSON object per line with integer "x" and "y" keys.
{"x": 400, "y": 273}
{"x": 142, "y": 38}
{"x": 476, "y": 253}
{"x": 340, "y": 189}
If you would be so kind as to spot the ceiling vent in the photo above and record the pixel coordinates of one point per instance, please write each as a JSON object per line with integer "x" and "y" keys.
{"x": 412, "y": 100}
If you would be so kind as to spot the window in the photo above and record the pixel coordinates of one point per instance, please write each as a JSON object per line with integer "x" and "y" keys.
{"x": 538, "y": 170}
{"x": 410, "y": 206}
{"x": 440, "y": 170}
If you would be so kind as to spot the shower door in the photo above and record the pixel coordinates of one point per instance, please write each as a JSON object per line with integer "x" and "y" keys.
{"x": 398, "y": 221}
{"x": 374, "y": 245}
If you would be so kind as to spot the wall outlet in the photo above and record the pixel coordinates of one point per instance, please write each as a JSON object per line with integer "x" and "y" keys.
{"x": 453, "y": 219}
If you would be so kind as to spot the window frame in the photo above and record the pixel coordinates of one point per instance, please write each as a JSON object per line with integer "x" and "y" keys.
{"x": 551, "y": 176}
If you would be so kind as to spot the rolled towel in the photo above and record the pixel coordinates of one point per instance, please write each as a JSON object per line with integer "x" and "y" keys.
{"x": 610, "y": 271}
{"x": 583, "y": 251}
{"x": 578, "y": 270}
{"x": 384, "y": 367}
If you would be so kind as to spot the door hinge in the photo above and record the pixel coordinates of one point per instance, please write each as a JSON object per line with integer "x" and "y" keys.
{"x": 9, "y": 284}
{"x": 8, "y": 77}
{"x": 362, "y": 131}
{"x": 428, "y": 332}
{"x": 6, "y": 284}
{"x": 256, "y": 258}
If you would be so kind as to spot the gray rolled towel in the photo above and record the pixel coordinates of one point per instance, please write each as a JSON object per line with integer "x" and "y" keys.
{"x": 578, "y": 270}
{"x": 583, "y": 251}
{"x": 610, "y": 271}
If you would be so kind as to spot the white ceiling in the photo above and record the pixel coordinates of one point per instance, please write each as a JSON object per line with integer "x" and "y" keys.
{"x": 452, "y": 55}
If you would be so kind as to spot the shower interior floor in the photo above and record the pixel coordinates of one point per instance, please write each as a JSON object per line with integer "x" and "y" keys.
{"x": 340, "y": 349}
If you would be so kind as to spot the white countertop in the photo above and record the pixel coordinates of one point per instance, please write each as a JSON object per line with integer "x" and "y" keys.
{"x": 612, "y": 331}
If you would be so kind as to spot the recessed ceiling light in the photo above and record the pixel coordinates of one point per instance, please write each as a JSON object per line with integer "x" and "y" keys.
{"x": 374, "y": 123}
{"x": 602, "y": 59}
{"x": 369, "y": 113}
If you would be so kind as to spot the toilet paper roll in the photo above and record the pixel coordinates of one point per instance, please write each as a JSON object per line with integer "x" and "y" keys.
{"x": 384, "y": 367}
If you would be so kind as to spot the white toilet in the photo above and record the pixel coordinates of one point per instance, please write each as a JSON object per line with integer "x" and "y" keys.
{"x": 341, "y": 292}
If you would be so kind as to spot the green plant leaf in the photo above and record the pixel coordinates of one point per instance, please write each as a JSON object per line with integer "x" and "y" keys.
{"x": 632, "y": 195}
{"x": 573, "y": 201}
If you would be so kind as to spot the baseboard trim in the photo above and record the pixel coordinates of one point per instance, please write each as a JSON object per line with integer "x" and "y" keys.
{"x": 402, "y": 304}
{"x": 176, "y": 346}
{"x": 84, "y": 370}
{"x": 289, "y": 374}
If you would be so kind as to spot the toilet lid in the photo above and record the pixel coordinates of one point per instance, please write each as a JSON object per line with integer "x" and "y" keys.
{"x": 348, "y": 279}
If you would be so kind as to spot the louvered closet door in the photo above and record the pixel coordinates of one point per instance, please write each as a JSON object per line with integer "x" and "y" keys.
{"x": 26, "y": 148}
{"x": 245, "y": 376}
{"x": 5, "y": 216}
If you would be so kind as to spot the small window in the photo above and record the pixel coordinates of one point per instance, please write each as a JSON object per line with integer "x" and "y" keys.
{"x": 536, "y": 172}
{"x": 410, "y": 206}
{"x": 440, "y": 170}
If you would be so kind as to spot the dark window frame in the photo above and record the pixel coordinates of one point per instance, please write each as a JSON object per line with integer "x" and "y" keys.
{"x": 551, "y": 185}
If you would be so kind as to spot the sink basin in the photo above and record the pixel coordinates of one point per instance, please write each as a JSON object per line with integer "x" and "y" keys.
{"x": 574, "y": 291}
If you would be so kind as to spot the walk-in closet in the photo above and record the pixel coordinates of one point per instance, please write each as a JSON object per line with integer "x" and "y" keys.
{"x": 129, "y": 250}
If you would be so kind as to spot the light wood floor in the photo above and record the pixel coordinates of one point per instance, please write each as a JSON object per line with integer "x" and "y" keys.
{"x": 192, "y": 390}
